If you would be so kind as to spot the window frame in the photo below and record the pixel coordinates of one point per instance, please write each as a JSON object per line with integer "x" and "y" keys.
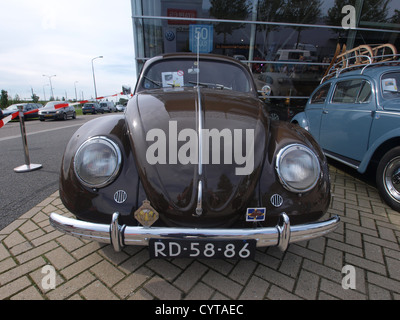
{"x": 356, "y": 98}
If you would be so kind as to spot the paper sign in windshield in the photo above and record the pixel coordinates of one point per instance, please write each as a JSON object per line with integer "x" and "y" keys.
{"x": 389, "y": 85}
{"x": 172, "y": 79}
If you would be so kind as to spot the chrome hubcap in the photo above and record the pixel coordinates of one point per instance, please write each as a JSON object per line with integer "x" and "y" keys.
{"x": 391, "y": 178}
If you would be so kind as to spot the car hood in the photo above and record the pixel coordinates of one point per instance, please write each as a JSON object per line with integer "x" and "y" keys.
{"x": 164, "y": 126}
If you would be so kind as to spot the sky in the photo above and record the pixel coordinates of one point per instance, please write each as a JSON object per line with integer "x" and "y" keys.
{"x": 61, "y": 37}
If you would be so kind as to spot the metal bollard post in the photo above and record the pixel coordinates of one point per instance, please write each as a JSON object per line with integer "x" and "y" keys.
{"x": 28, "y": 166}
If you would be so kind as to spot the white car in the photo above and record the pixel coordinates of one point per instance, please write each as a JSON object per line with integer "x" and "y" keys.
{"x": 108, "y": 106}
{"x": 120, "y": 108}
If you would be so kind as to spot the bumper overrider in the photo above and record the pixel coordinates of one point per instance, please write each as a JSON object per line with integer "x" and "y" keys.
{"x": 121, "y": 235}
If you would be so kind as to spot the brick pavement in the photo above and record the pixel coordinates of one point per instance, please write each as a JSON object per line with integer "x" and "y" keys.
{"x": 368, "y": 240}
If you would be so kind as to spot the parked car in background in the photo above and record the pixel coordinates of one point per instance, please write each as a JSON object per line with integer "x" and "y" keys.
{"x": 57, "y": 110}
{"x": 30, "y": 110}
{"x": 203, "y": 198}
{"x": 355, "y": 117}
{"x": 120, "y": 108}
{"x": 108, "y": 106}
{"x": 92, "y": 107}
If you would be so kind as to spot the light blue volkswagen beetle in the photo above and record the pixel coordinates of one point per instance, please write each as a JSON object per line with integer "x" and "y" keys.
{"x": 355, "y": 117}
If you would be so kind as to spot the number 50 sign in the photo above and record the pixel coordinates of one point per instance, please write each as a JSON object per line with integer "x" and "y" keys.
{"x": 201, "y": 35}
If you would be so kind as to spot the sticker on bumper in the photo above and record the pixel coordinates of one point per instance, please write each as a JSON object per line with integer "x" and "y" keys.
{"x": 255, "y": 214}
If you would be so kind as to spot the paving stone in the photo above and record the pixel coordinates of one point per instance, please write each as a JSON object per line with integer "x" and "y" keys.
{"x": 277, "y": 293}
{"x": 70, "y": 287}
{"x": 307, "y": 285}
{"x": 255, "y": 289}
{"x": 107, "y": 272}
{"x": 13, "y": 287}
{"x": 222, "y": 284}
{"x": 162, "y": 289}
{"x": 200, "y": 291}
{"x": 97, "y": 291}
{"x": 190, "y": 276}
{"x": 133, "y": 282}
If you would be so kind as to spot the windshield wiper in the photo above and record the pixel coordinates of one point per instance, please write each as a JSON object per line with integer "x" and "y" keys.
{"x": 153, "y": 81}
{"x": 211, "y": 85}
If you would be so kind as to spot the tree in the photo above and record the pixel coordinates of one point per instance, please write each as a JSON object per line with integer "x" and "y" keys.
{"x": 302, "y": 12}
{"x": 4, "y": 99}
{"x": 35, "y": 98}
{"x": 271, "y": 11}
{"x": 230, "y": 10}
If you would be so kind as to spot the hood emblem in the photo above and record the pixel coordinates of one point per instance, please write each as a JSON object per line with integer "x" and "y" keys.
{"x": 146, "y": 214}
{"x": 255, "y": 214}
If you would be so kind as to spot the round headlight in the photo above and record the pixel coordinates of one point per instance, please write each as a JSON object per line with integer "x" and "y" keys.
{"x": 266, "y": 90}
{"x": 298, "y": 168}
{"x": 97, "y": 162}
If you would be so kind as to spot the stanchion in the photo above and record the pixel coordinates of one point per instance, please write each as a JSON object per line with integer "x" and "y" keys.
{"x": 28, "y": 166}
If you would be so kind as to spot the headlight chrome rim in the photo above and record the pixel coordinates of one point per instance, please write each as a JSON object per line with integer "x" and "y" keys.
{"x": 111, "y": 144}
{"x": 282, "y": 153}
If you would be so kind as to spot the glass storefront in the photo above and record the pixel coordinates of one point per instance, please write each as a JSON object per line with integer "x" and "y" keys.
{"x": 288, "y": 44}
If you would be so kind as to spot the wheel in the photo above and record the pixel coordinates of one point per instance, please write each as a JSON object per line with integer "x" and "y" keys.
{"x": 74, "y": 115}
{"x": 65, "y": 116}
{"x": 274, "y": 116}
{"x": 388, "y": 178}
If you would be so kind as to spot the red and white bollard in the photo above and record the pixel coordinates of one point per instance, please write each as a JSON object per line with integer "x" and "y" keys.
{"x": 28, "y": 166}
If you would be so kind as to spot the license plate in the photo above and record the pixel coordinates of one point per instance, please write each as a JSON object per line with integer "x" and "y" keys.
{"x": 225, "y": 249}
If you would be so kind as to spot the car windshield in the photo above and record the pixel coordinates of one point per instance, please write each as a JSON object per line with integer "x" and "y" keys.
{"x": 390, "y": 85}
{"x": 51, "y": 104}
{"x": 12, "y": 107}
{"x": 172, "y": 73}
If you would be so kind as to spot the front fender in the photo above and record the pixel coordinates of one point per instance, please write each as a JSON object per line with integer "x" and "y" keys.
{"x": 98, "y": 204}
{"x": 301, "y": 120}
{"x": 300, "y": 207}
{"x": 392, "y": 134}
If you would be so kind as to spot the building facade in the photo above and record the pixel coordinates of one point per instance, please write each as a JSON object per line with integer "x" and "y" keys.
{"x": 288, "y": 44}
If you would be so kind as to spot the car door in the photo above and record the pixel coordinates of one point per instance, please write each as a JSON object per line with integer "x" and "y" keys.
{"x": 347, "y": 118}
{"x": 314, "y": 109}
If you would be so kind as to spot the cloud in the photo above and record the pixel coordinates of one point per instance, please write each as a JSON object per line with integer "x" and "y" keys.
{"x": 62, "y": 37}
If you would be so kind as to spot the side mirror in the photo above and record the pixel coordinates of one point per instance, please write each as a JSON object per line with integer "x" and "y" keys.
{"x": 126, "y": 90}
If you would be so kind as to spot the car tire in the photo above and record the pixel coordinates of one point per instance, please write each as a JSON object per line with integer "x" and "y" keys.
{"x": 274, "y": 116}
{"x": 65, "y": 117}
{"x": 388, "y": 178}
{"x": 74, "y": 115}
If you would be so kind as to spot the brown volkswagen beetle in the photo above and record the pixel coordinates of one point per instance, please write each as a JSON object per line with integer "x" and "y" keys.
{"x": 194, "y": 168}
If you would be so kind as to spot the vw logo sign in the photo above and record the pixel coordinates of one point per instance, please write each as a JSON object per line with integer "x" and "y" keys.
{"x": 170, "y": 35}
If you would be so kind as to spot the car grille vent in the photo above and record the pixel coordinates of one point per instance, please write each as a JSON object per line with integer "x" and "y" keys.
{"x": 276, "y": 200}
{"x": 120, "y": 196}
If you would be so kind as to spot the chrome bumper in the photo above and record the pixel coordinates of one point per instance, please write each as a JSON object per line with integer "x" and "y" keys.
{"x": 119, "y": 236}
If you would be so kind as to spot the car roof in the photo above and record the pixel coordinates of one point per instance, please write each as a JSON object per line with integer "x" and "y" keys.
{"x": 372, "y": 71}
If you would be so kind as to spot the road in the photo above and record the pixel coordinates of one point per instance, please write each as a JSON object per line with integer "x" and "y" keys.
{"x": 19, "y": 192}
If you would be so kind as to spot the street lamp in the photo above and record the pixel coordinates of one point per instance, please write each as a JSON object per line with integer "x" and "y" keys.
{"x": 51, "y": 86}
{"x": 94, "y": 79}
{"x": 76, "y": 96}
{"x": 44, "y": 92}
